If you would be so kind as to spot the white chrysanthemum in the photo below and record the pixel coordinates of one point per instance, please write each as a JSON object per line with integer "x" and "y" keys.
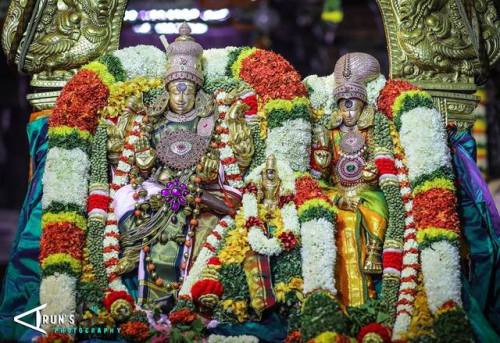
{"x": 261, "y": 244}
{"x": 58, "y": 292}
{"x": 441, "y": 271}
{"x": 423, "y": 137}
{"x": 374, "y": 87}
{"x": 65, "y": 177}
{"x": 215, "y": 62}
{"x": 400, "y": 326}
{"x": 142, "y": 60}
{"x": 290, "y": 218}
{"x": 321, "y": 91}
{"x": 318, "y": 255}
{"x": 292, "y": 143}
{"x": 249, "y": 205}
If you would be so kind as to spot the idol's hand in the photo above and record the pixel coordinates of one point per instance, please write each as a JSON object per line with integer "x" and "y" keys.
{"x": 322, "y": 158}
{"x": 208, "y": 168}
{"x": 145, "y": 156}
{"x": 370, "y": 172}
{"x": 348, "y": 203}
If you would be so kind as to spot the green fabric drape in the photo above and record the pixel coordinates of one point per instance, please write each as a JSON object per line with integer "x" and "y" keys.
{"x": 20, "y": 289}
{"x": 480, "y": 221}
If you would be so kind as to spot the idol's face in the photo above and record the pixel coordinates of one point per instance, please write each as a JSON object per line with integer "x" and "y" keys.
{"x": 351, "y": 110}
{"x": 182, "y": 95}
{"x": 270, "y": 174}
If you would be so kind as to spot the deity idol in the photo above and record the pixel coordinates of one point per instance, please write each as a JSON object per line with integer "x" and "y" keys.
{"x": 177, "y": 193}
{"x": 343, "y": 155}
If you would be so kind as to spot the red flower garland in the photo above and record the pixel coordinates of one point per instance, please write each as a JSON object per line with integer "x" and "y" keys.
{"x": 374, "y": 328}
{"x": 183, "y": 316}
{"x": 135, "y": 331}
{"x": 391, "y": 90}
{"x": 62, "y": 237}
{"x": 307, "y": 188}
{"x": 288, "y": 240}
{"x": 386, "y": 166}
{"x": 111, "y": 297}
{"x": 259, "y": 71}
{"x": 436, "y": 208}
{"x": 79, "y": 102}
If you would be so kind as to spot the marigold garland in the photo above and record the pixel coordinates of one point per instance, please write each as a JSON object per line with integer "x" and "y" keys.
{"x": 258, "y": 69}
{"x": 388, "y": 95}
{"x": 80, "y": 100}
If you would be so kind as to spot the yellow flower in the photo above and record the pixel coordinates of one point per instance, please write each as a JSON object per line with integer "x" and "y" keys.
{"x": 440, "y": 182}
{"x": 286, "y": 105}
{"x": 120, "y": 92}
{"x": 280, "y": 291}
{"x": 430, "y": 233}
{"x": 68, "y": 217}
{"x": 296, "y": 284}
{"x": 326, "y": 337}
{"x": 235, "y": 243}
{"x": 102, "y": 71}
{"x": 238, "y": 308}
{"x": 236, "y": 67}
{"x": 60, "y": 258}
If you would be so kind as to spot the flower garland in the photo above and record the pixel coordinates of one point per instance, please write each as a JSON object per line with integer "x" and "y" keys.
{"x": 410, "y": 262}
{"x": 111, "y": 242}
{"x": 229, "y": 162}
{"x": 93, "y": 279}
{"x": 423, "y": 137}
{"x": 393, "y": 243}
{"x": 142, "y": 61}
{"x": 317, "y": 218}
{"x": 208, "y": 251}
{"x": 72, "y": 123}
{"x": 285, "y": 236}
{"x": 283, "y": 107}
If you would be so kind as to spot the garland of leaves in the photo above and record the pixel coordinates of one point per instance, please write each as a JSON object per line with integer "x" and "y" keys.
{"x": 393, "y": 243}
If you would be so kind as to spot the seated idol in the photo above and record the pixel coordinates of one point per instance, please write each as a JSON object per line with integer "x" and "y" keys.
{"x": 177, "y": 192}
{"x": 343, "y": 155}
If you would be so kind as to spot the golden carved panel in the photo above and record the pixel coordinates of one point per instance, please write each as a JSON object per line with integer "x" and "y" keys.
{"x": 444, "y": 46}
{"x": 52, "y": 37}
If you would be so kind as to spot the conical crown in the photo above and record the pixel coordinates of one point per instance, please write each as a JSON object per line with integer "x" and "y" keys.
{"x": 184, "y": 58}
{"x": 352, "y": 72}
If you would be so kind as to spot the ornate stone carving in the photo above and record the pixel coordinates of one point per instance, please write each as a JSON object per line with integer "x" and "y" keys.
{"x": 50, "y": 38}
{"x": 444, "y": 46}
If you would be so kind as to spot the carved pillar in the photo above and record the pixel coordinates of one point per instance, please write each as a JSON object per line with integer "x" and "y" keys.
{"x": 444, "y": 46}
{"x": 51, "y": 39}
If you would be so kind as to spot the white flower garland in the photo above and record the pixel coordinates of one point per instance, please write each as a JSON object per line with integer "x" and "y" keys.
{"x": 215, "y": 62}
{"x": 213, "y": 240}
{"x": 256, "y": 238}
{"x": 423, "y": 138}
{"x": 409, "y": 269}
{"x": 373, "y": 89}
{"x": 231, "y": 168}
{"x": 58, "y": 292}
{"x": 111, "y": 232}
{"x": 142, "y": 61}
{"x": 65, "y": 177}
{"x": 440, "y": 266}
{"x": 291, "y": 142}
{"x": 318, "y": 255}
